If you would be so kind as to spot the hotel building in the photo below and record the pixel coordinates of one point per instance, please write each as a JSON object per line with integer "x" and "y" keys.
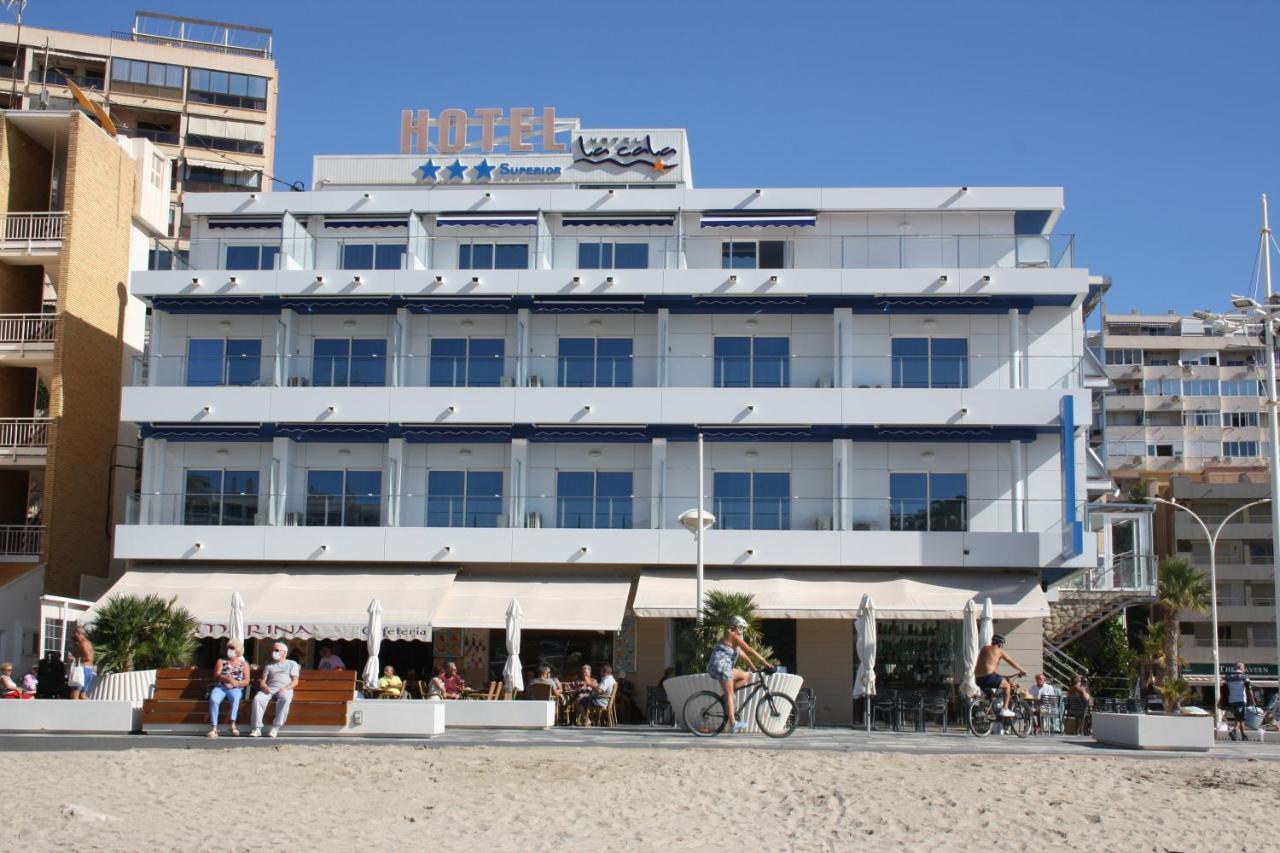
{"x": 203, "y": 92}
{"x": 473, "y": 372}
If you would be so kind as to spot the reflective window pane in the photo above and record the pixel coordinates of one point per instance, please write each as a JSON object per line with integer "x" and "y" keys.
{"x": 369, "y": 363}
{"x": 244, "y": 362}
{"x": 446, "y": 497}
{"x": 485, "y": 362}
{"x": 910, "y": 362}
{"x": 511, "y": 256}
{"x": 204, "y": 362}
{"x": 732, "y": 362}
{"x": 448, "y": 362}
{"x": 330, "y": 361}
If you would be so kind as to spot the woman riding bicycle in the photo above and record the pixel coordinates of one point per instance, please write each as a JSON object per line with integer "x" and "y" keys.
{"x": 720, "y": 666}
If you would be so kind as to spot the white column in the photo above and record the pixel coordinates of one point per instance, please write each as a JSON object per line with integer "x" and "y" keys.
{"x": 842, "y": 331}
{"x": 297, "y": 246}
{"x": 519, "y": 477}
{"x": 418, "y": 253}
{"x": 522, "y": 347}
{"x": 287, "y": 366}
{"x": 279, "y": 485}
{"x": 657, "y": 483}
{"x": 154, "y": 362}
{"x": 1017, "y": 486}
{"x": 400, "y": 342}
{"x": 663, "y": 379}
{"x": 1015, "y": 349}
{"x": 394, "y": 476}
{"x": 151, "y": 501}
{"x": 841, "y": 461}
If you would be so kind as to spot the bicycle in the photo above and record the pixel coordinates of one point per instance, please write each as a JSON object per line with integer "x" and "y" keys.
{"x": 706, "y": 714}
{"x": 985, "y": 711}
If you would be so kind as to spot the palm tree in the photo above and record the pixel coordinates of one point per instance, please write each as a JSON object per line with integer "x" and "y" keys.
{"x": 717, "y": 612}
{"x": 142, "y": 632}
{"x": 1151, "y": 654}
{"x": 1181, "y": 587}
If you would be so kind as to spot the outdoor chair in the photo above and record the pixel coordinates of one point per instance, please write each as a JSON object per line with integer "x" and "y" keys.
{"x": 1049, "y": 711}
{"x": 607, "y": 715}
{"x": 935, "y": 706}
{"x": 807, "y": 703}
{"x": 885, "y": 704}
{"x": 1077, "y": 709}
{"x": 657, "y": 709}
{"x": 911, "y": 706}
{"x": 538, "y": 692}
{"x": 1131, "y": 706}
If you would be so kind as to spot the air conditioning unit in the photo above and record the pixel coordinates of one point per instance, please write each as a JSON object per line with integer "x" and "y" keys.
{"x": 533, "y": 520}
{"x": 824, "y": 522}
{"x": 299, "y": 381}
{"x": 861, "y": 525}
{"x": 293, "y": 519}
{"x": 535, "y": 381}
{"x": 1174, "y": 398}
{"x": 823, "y": 382}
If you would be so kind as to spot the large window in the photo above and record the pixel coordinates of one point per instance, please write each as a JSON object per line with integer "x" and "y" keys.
{"x": 1124, "y": 356}
{"x": 928, "y": 502}
{"x": 1239, "y": 448}
{"x": 1162, "y": 387}
{"x": 464, "y": 498}
{"x": 252, "y": 257}
{"x": 1200, "y": 387}
{"x": 752, "y": 500}
{"x": 223, "y": 361}
{"x": 229, "y": 178}
{"x": 228, "y": 90}
{"x": 355, "y": 362}
{"x": 752, "y": 362}
{"x": 470, "y": 362}
{"x": 594, "y": 499}
{"x": 594, "y": 363}
{"x": 613, "y": 256}
{"x": 753, "y": 254}
{"x": 344, "y": 498}
{"x": 930, "y": 362}
{"x": 1202, "y": 418}
{"x": 1240, "y": 419}
{"x": 1241, "y": 388}
{"x": 373, "y": 256}
{"x": 215, "y": 496}
{"x": 146, "y": 78}
{"x": 493, "y": 256}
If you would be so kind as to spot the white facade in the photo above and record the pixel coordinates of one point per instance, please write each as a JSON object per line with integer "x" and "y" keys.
{"x": 826, "y": 291}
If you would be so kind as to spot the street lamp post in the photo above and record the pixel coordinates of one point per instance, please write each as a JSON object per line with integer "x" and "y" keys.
{"x": 1213, "y": 579}
{"x": 697, "y": 521}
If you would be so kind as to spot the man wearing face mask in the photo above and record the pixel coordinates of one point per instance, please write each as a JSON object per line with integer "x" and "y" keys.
{"x": 278, "y": 680}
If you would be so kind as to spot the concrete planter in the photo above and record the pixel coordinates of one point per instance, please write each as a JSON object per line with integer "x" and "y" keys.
{"x": 64, "y": 715}
{"x": 130, "y": 687}
{"x": 477, "y": 714}
{"x": 680, "y": 688}
{"x": 1154, "y": 731}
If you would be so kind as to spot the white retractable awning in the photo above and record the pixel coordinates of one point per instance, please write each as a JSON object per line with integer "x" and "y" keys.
{"x": 224, "y": 165}
{"x": 548, "y": 602}
{"x": 323, "y": 604}
{"x": 226, "y": 128}
{"x": 837, "y": 595}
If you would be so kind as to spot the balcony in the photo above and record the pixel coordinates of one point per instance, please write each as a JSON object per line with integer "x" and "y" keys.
{"x": 27, "y": 339}
{"x": 21, "y": 543}
{"x": 561, "y": 531}
{"x": 31, "y": 237}
{"x": 24, "y": 441}
{"x": 607, "y": 255}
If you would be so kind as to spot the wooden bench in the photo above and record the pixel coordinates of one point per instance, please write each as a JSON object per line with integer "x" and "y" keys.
{"x": 320, "y": 699}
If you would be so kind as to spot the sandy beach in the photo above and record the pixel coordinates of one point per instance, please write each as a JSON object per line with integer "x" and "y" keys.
{"x": 320, "y": 797}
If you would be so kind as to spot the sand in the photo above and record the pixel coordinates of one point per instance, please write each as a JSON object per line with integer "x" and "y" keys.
{"x": 299, "y": 797}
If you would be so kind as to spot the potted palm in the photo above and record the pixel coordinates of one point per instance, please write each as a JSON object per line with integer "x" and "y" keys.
{"x": 133, "y": 636}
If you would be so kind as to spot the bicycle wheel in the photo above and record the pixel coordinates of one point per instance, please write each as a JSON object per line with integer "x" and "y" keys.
{"x": 1021, "y": 722}
{"x": 980, "y": 720}
{"x": 776, "y": 714}
{"x": 705, "y": 714}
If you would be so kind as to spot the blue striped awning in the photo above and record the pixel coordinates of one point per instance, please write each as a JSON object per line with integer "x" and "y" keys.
{"x": 221, "y": 432}
{"x": 243, "y": 222}
{"x": 335, "y": 432}
{"x": 341, "y": 305}
{"x": 365, "y": 222}
{"x": 554, "y": 305}
{"x": 486, "y": 220}
{"x": 460, "y": 304}
{"x": 435, "y": 434}
{"x": 617, "y": 221}
{"x": 759, "y": 219}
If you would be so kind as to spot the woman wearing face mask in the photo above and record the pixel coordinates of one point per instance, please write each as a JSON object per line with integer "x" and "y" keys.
{"x": 230, "y": 678}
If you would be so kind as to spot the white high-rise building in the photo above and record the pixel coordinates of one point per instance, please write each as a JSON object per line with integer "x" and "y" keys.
{"x": 474, "y": 372}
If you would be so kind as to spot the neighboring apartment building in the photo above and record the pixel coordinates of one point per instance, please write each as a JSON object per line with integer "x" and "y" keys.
{"x": 79, "y": 211}
{"x": 1246, "y": 577}
{"x": 204, "y": 92}
{"x": 450, "y": 380}
{"x": 1187, "y": 400}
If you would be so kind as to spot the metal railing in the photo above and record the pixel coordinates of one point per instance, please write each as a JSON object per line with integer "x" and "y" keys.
{"x": 23, "y": 329}
{"x": 208, "y": 47}
{"x": 23, "y": 433}
{"x": 21, "y": 540}
{"x": 1126, "y": 573}
{"x": 737, "y": 256}
{"x": 33, "y": 227}
{"x": 551, "y": 370}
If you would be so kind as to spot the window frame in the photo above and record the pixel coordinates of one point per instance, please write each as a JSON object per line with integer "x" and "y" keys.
{"x": 752, "y": 360}
{"x": 776, "y": 509}
{"x": 493, "y": 247}
{"x": 218, "y": 496}
{"x": 598, "y": 363}
{"x": 928, "y": 504}
{"x": 349, "y": 501}
{"x": 729, "y": 254}
{"x": 468, "y": 360}
{"x": 226, "y": 359}
{"x": 626, "y": 517}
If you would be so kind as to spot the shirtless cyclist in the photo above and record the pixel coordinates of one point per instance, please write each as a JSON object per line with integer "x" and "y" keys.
{"x": 985, "y": 671}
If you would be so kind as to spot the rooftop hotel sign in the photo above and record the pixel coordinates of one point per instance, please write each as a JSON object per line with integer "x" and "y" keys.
{"x": 454, "y": 131}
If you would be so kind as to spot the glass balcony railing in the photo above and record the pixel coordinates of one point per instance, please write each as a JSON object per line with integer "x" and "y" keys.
{"x": 556, "y": 371}
{"x": 617, "y": 256}
{"x": 585, "y": 512}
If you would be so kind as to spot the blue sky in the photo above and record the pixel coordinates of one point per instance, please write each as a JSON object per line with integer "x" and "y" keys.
{"x": 1158, "y": 118}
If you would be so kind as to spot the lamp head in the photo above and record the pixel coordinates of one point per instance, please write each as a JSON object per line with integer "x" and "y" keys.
{"x": 1244, "y": 303}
